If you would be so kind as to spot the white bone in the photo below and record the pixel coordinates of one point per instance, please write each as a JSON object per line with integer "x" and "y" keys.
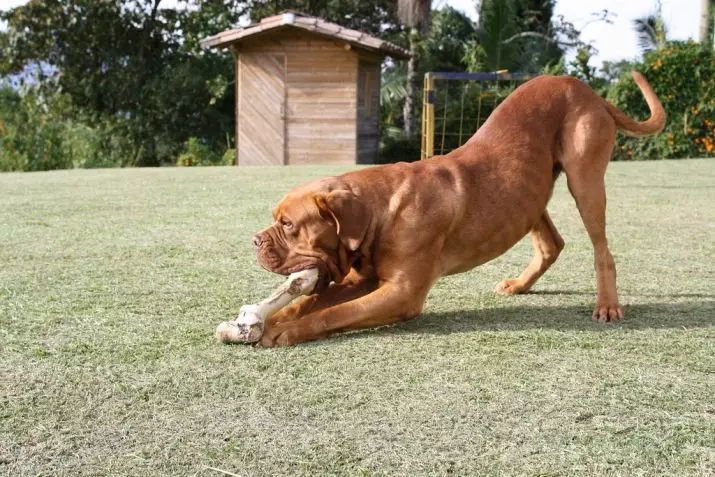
{"x": 248, "y": 325}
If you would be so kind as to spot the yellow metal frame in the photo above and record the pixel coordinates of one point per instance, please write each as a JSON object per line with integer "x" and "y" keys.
{"x": 429, "y": 95}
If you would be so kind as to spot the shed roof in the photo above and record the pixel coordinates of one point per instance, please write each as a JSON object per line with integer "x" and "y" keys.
{"x": 310, "y": 24}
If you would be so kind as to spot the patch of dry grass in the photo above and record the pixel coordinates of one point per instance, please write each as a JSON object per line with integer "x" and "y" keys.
{"x": 112, "y": 282}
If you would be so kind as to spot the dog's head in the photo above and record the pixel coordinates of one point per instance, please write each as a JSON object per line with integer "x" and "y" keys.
{"x": 314, "y": 227}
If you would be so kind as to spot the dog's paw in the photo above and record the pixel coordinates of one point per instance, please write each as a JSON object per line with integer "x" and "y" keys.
{"x": 607, "y": 312}
{"x": 284, "y": 334}
{"x": 511, "y": 286}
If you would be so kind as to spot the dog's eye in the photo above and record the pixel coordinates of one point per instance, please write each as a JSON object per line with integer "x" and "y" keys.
{"x": 287, "y": 224}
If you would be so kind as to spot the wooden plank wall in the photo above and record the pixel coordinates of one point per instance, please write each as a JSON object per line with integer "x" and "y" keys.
{"x": 260, "y": 128}
{"x": 321, "y": 96}
{"x": 368, "y": 127}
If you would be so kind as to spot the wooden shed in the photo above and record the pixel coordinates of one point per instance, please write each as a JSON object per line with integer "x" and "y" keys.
{"x": 307, "y": 91}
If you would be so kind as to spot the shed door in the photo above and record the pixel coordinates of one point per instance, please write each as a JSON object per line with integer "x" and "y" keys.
{"x": 261, "y": 123}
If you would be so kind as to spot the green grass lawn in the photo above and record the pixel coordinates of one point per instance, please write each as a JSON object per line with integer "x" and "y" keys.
{"x": 112, "y": 283}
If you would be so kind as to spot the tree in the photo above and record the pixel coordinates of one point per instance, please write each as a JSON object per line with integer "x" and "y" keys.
{"x": 706, "y": 22}
{"x": 377, "y": 17}
{"x": 651, "y": 30}
{"x": 683, "y": 75}
{"x": 445, "y": 47}
{"x": 130, "y": 66}
{"x": 518, "y": 34}
{"x": 612, "y": 70}
{"x": 414, "y": 14}
{"x": 536, "y": 16}
{"x": 496, "y": 26}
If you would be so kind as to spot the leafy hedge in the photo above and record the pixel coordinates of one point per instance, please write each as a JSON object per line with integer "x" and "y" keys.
{"x": 198, "y": 154}
{"x": 683, "y": 76}
{"x": 38, "y": 133}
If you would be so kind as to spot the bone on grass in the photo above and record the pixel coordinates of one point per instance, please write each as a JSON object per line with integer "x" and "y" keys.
{"x": 248, "y": 325}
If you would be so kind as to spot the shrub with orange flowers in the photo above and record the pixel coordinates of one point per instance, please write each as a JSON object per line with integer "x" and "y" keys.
{"x": 683, "y": 76}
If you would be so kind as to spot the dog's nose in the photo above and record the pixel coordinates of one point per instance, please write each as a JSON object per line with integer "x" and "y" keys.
{"x": 257, "y": 240}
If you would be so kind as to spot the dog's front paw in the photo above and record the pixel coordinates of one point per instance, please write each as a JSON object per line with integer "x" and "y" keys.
{"x": 607, "y": 312}
{"x": 293, "y": 332}
{"x": 283, "y": 334}
{"x": 511, "y": 286}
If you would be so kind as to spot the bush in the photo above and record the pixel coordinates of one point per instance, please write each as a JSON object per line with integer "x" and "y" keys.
{"x": 93, "y": 148}
{"x": 197, "y": 153}
{"x": 395, "y": 147}
{"x": 229, "y": 157}
{"x": 683, "y": 76}
{"x": 31, "y": 138}
{"x": 40, "y": 130}
{"x": 36, "y": 135}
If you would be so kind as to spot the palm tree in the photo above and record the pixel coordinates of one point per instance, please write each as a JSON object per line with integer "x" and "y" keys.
{"x": 651, "y": 30}
{"x": 414, "y": 14}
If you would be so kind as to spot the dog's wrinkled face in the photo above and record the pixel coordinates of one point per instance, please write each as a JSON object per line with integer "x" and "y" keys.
{"x": 313, "y": 230}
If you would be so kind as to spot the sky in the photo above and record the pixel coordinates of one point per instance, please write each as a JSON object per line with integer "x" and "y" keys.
{"x": 613, "y": 41}
{"x": 616, "y": 41}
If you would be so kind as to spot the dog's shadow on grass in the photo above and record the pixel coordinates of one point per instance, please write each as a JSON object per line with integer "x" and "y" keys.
{"x": 666, "y": 315}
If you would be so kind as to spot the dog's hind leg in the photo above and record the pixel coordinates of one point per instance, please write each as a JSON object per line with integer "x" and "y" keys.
{"x": 547, "y": 244}
{"x": 585, "y": 163}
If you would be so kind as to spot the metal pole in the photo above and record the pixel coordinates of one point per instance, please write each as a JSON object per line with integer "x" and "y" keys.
{"x": 428, "y": 117}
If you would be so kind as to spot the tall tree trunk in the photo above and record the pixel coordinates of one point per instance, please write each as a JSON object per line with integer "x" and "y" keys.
{"x": 706, "y": 20}
{"x": 411, "y": 87}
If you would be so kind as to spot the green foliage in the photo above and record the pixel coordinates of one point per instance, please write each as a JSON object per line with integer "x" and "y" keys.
{"x": 40, "y": 130}
{"x": 229, "y": 157}
{"x": 517, "y": 35}
{"x": 377, "y": 17}
{"x": 132, "y": 66}
{"x": 198, "y": 154}
{"x": 31, "y": 137}
{"x": 535, "y": 51}
{"x": 683, "y": 76}
{"x": 651, "y": 32}
{"x": 651, "y": 29}
{"x": 496, "y": 24}
{"x": 396, "y": 147}
{"x": 612, "y": 70}
{"x": 446, "y": 47}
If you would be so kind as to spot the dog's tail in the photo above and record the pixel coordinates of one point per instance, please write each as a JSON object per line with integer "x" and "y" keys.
{"x": 653, "y": 125}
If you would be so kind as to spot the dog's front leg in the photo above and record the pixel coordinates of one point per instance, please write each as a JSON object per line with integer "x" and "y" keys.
{"x": 335, "y": 294}
{"x": 388, "y": 304}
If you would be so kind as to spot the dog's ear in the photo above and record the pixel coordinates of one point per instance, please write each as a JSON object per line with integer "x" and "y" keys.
{"x": 350, "y": 215}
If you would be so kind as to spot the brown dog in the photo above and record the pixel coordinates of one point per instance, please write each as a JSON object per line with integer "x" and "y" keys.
{"x": 385, "y": 234}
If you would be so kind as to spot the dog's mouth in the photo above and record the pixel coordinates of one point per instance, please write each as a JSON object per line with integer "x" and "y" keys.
{"x": 324, "y": 274}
